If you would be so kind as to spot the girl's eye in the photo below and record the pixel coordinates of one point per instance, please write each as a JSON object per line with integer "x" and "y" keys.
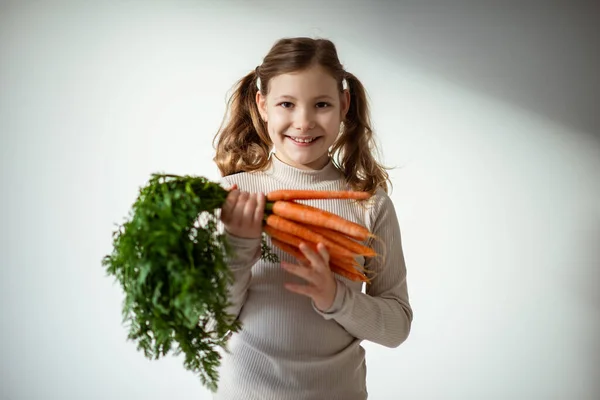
{"x": 287, "y": 104}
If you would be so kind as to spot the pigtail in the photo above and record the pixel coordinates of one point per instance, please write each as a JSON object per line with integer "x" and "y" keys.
{"x": 355, "y": 149}
{"x": 242, "y": 143}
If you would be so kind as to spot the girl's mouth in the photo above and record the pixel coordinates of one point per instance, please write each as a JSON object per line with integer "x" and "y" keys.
{"x": 302, "y": 140}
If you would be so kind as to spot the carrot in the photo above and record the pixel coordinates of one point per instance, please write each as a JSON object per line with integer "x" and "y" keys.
{"x": 338, "y": 267}
{"x": 285, "y": 241}
{"x": 315, "y": 216}
{"x": 293, "y": 233}
{"x": 290, "y": 249}
{"x": 284, "y": 237}
{"x": 352, "y": 275}
{"x": 277, "y": 195}
{"x": 343, "y": 240}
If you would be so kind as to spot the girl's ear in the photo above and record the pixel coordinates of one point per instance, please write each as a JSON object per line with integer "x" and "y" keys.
{"x": 261, "y": 103}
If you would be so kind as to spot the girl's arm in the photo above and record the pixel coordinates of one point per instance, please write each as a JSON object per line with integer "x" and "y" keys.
{"x": 383, "y": 315}
{"x": 246, "y": 251}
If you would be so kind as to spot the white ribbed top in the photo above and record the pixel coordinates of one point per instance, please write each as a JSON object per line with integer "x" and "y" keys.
{"x": 288, "y": 349}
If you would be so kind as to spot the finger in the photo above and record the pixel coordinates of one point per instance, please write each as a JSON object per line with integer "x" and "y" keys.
{"x": 238, "y": 211}
{"x": 315, "y": 258}
{"x": 303, "y": 262}
{"x": 324, "y": 253}
{"x": 260, "y": 208}
{"x": 307, "y": 274}
{"x": 229, "y": 206}
{"x": 250, "y": 208}
{"x": 233, "y": 187}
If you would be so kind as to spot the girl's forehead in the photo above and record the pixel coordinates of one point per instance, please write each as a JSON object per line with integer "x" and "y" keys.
{"x": 303, "y": 81}
{"x": 316, "y": 73}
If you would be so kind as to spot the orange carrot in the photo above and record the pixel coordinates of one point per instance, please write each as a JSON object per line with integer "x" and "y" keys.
{"x": 277, "y": 195}
{"x": 315, "y": 216}
{"x": 343, "y": 240}
{"x": 282, "y": 236}
{"x": 293, "y": 233}
{"x": 338, "y": 267}
{"x": 352, "y": 275}
{"x": 290, "y": 249}
{"x": 287, "y": 241}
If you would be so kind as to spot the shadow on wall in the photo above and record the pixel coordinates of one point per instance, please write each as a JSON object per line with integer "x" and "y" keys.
{"x": 540, "y": 56}
{"x": 544, "y": 59}
{"x": 591, "y": 287}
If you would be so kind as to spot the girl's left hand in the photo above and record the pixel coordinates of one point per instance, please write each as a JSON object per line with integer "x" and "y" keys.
{"x": 321, "y": 285}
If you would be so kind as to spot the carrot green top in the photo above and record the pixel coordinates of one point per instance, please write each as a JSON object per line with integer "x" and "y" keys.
{"x": 287, "y": 348}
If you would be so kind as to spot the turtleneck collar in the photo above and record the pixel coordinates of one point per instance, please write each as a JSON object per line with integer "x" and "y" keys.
{"x": 302, "y": 176}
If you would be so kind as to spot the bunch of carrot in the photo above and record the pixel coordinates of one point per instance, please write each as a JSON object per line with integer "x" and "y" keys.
{"x": 290, "y": 223}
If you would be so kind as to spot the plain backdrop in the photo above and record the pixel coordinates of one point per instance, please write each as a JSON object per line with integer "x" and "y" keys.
{"x": 488, "y": 112}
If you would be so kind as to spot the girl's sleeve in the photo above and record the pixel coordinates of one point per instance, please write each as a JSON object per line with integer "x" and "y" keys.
{"x": 383, "y": 314}
{"x": 246, "y": 252}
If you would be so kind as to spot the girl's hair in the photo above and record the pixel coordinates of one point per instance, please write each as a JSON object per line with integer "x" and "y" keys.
{"x": 243, "y": 143}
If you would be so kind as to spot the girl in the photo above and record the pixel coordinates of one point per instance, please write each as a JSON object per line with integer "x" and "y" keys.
{"x": 301, "y": 121}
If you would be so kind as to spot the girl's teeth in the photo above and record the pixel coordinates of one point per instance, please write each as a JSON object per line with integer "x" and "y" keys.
{"x": 302, "y": 140}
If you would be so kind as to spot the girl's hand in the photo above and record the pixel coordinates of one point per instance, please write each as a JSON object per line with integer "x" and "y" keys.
{"x": 321, "y": 285}
{"x": 242, "y": 213}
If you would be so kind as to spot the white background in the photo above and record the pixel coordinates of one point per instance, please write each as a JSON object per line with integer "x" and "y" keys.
{"x": 488, "y": 110}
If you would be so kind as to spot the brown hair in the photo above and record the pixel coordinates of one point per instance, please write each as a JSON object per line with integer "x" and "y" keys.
{"x": 243, "y": 143}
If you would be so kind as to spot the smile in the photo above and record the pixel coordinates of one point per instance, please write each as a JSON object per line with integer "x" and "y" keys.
{"x": 303, "y": 140}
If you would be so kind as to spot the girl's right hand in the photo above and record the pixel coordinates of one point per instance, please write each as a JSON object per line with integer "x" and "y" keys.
{"x": 242, "y": 213}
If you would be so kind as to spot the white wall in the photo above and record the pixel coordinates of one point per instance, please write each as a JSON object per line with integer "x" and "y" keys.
{"x": 490, "y": 111}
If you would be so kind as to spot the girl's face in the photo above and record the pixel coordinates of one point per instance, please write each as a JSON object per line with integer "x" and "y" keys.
{"x": 303, "y": 111}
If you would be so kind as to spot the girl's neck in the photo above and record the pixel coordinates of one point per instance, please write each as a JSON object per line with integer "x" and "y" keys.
{"x": 308, "y": 176}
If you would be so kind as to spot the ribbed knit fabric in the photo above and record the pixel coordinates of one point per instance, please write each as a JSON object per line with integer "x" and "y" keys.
{"x": 287, "y": 348}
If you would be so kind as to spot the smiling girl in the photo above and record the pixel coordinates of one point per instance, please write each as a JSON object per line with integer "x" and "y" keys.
{"x": 299, "y": 120}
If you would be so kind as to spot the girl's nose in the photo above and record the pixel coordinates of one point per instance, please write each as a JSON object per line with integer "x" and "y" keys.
{"x": 304, "y": 122}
